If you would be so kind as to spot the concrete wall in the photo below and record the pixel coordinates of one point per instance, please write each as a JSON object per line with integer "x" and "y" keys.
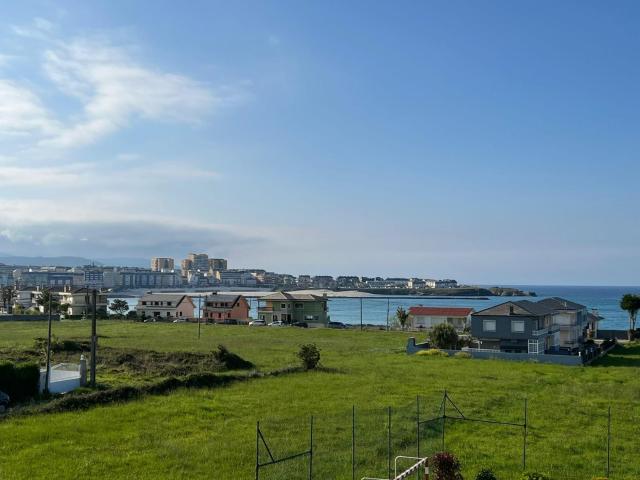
{"x": 572, "y": 360}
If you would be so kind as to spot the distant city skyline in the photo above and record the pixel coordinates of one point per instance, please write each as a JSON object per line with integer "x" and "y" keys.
{"x": 494, "y": 142}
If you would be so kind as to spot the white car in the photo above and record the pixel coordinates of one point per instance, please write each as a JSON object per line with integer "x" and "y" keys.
{"x": 258, "y": 323}
{"x": 277, "y": 323}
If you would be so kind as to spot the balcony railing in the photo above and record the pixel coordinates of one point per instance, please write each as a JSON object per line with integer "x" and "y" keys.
{"x": 541, "y": 332}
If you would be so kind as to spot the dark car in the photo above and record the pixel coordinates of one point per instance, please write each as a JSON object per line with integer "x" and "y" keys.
{"x": 300, "y": 324}
{"x": 230, "y": 321}
{"x": 336, "y": 325}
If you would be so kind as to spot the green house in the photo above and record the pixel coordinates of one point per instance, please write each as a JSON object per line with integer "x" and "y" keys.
{"x": 291, "y": 307}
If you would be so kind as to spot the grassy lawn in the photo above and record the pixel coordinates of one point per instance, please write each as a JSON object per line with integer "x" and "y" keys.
{"x": 210, "y": 433}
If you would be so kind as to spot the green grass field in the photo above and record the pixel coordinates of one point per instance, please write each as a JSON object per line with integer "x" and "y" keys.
{"x": 210, "y": 433}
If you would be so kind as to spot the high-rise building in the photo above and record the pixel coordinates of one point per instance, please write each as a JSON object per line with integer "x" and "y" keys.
{"x": 200, "y": 261}
{"x": 186, "y": 265}
{"x": 218, "y": 264}
{"x": 162, "y": 264}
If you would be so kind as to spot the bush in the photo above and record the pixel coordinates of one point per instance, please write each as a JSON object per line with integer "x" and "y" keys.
{"x": 432, "y": 352}
{"x": 534, "y": 476}
{"x": 19, "y": 381}
{"x": 445, "y": 466}
{"x": 229, "y": 360}
{"x": 444, "y": 335}
{"x": 309, "y": 354}
{"x": 486, "y": 474}
{"x": 462, "y": 355}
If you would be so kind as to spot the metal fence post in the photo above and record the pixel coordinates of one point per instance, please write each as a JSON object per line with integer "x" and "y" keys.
{"x": 257, "y": 450}
{"x": 353, "y": 442}
{"x": 311, "y": 449}
{"x": 444, "y": 416}
{"x": 609, "y": 442}
{"x": 524, "y": 444}
{"x": 417, "y": 425}
{"x": 389, "y": 441}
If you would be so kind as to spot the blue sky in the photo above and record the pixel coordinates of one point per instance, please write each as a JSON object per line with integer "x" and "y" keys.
{"x": 492, "y": 142}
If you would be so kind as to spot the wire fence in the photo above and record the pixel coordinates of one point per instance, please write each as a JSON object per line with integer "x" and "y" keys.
{"x": 568, "y": 443}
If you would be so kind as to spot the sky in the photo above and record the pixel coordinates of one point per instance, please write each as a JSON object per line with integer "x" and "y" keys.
{"x": 491, "y": 142}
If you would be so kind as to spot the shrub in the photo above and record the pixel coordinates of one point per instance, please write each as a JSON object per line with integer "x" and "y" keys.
{"x": 230, "y": 360}
{"x": 309, "y": 354}
{"x": 444, "y": 335}
{"x": 445, "y": 466}
{"x": 462, "y": 355}
{"x": 486, "y": 474}
{"x": 19, "y": 381}
{"x": 534, "y": 476}
{"x": 432, "y": 352}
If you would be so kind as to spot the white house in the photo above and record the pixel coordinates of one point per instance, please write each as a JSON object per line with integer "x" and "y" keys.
{"x": 167, "y": 306}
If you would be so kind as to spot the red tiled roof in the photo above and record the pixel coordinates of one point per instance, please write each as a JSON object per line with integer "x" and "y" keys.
{"x": 441, "y": 311}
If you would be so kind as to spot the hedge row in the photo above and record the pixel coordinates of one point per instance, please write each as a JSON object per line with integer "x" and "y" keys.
{"x": 125, "y": 393}
{"x": 19, "y": 381}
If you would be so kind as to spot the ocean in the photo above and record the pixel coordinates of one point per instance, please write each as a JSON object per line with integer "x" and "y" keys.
{"x": 605, "y": 300}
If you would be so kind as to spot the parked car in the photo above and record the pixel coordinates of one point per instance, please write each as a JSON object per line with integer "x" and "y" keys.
{"x": 179, "y": 320}
{"x": 336, "y": 325}
{"x": 258, "y": 323}
{"x": 230, "y": 321}
{"x": 277, "y": 323}
{"x": 301, "y": 324}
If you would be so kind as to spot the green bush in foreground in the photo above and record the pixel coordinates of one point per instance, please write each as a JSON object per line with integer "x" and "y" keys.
{"x": 462, "y": 355}
{"x": 534, "y": 476}
{"x": 19, "y": 381}
{"x": 486, "y": 474}
{"x": 432, "y": 352}
{"x": 309, "y": 354}
{"x": 444, "y": 335}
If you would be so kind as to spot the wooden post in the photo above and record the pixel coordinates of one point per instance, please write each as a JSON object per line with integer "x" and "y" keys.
{"x": 94, "y": 339}
{"x": 47, "y": 377}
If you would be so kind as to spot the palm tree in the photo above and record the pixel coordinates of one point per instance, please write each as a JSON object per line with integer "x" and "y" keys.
{"x": 402, "y": 316}
{"x": 631, "y": 303}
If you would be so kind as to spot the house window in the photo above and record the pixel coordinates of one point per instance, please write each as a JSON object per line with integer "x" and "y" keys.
{"x": 168, "y": 304}
{"x": 283, "y": 305}
{"x": 517, "y": 326}
{"x": 488, "y": 325}
{"x": 298, "y": 305}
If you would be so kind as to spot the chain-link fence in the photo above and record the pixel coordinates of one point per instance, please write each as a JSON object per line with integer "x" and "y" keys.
{"x": 576, "y": 442}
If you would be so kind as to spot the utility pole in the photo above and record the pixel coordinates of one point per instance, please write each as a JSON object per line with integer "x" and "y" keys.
{"x": 94, "y": 339}
{"x": 361, "y": 327}
{"x": 47, "y": 377}
{"x": 388, "y": 300}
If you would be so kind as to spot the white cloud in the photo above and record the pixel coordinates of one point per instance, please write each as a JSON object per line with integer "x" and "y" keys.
{"x": 22, "y": 113}
{"x": 66, "y": 176}
{"x": 114, "y": 90}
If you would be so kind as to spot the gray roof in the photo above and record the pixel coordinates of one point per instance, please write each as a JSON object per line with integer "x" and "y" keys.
{"x": 541, "y": 307}
{"x": 290, "y": 296}
{"x": 163, "y": 297}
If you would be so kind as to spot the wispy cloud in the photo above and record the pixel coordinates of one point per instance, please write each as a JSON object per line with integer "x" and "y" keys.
{"x": 22, "y": 112}
{"x": 113, "y": 89}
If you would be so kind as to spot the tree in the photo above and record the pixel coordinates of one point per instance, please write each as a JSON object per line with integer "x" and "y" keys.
{"x": 402, "y": 316}
{"x": 119, "y": 307}
{"x": 444, "y": 335}
{"x": 7, "y": 295}
{"x": 631, "y": 303}
{"x": 43, "y": 301}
